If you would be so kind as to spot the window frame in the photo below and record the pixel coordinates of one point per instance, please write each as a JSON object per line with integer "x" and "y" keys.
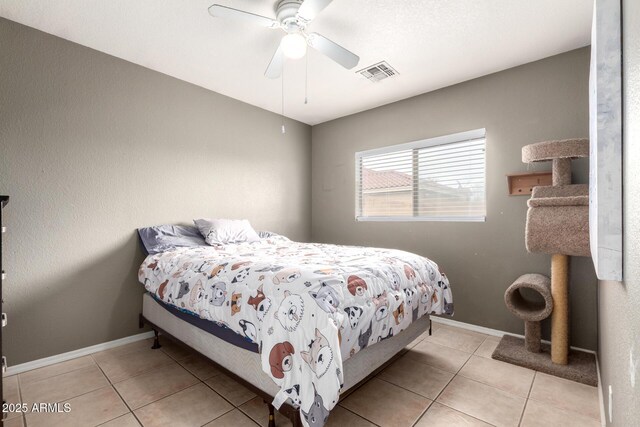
{"x": 423, "y": 143}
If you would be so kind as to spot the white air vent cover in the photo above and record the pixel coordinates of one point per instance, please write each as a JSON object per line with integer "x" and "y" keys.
{"x": 379, "y": 71}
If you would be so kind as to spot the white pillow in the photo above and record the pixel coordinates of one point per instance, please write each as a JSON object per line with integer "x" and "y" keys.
{"x": 224, "y": 231}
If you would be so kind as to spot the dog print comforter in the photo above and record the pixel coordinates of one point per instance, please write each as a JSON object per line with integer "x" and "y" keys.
{"x": 308, "y": 306}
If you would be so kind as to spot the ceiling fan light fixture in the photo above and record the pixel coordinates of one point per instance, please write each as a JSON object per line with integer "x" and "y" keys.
{"x": 294, "y": 45}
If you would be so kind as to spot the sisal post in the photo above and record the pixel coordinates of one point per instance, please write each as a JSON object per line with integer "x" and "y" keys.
{"x": 560, "y": 314}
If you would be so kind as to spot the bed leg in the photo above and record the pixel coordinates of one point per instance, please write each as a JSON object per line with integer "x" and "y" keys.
{"x": 429, "y": 327}
{"x": 272, "y": 416}
{"x": 140, "y": 321}
{"x": 156, "y": 341}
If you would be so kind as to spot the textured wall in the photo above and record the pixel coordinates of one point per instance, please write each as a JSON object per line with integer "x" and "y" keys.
{"x": 92, "y": 147}
{"x": 543, "y": 100}
{"x": 619, "y": 302}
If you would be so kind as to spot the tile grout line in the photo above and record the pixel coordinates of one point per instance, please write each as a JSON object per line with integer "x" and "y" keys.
{"x": 526, "y": 402}
{"x": 468, "y": 415}
{"x": 449, "y": 382}
{"x": 455, "y": 348}
{"x": 558, "y": 408}
{"x": 498, "y": 388}
{"x": 53, "y": 376}
{"x": 553, "y": 404}
{"x": 357, "y": 415}
{"x": 462, "y": 376}
{"x": 153, "y": 401}
{"x": 118, "y": 393}
{"x": 24, "y": 414}
{"x": 405, "y": 389}
{"x": 71, "y": 397}
{"x": 442, "y": 391}
{"x": 225, "y": 399}
{"x": 75, "y": 397}
{"x": 424, "y": 412}
{"x": 249, "y": 416}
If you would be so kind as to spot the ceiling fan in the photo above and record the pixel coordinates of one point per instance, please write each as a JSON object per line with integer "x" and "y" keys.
{"x": 292, "y": 16}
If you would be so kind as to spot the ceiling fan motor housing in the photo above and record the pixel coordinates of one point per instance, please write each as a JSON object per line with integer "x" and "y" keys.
{"x": 286, "y": 12}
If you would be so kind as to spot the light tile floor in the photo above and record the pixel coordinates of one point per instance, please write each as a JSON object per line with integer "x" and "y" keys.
{"x": 448, "y": 379}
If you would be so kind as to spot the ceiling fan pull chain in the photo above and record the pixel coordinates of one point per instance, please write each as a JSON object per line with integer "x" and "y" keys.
{"x": 306, "y": 78}
{"x": 282, "y": 99}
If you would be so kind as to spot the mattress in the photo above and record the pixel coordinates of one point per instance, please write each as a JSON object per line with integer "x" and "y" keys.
{"x": 308, "y": 307}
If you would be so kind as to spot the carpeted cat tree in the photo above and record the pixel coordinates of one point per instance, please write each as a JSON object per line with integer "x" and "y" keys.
{"x": 558, "y": 225}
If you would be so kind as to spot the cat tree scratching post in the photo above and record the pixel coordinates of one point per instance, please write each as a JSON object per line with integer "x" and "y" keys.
{"x": 558, "y": 224}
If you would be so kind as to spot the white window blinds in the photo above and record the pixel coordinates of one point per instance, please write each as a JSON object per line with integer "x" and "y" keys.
{"x": 438, "y": 179}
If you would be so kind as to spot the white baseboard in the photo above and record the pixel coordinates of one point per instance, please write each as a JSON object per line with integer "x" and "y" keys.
{"x": 489, "y": 331}
{"x": 603, "y": 414}
{"x": 28, "y": 366}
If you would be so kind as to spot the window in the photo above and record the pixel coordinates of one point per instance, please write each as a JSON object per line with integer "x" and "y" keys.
{"x": 437, "y": 179}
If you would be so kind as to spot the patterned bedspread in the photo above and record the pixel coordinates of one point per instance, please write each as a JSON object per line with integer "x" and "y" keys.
{"x": 308, "y": 306}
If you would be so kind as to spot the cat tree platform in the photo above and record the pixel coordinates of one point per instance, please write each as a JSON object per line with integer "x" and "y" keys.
{"x": 558, "y": 220}
{"x": 560, "y": 152}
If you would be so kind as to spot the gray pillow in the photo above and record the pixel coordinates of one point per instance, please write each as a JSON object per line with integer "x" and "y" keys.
{"x": 162, "y": 238}
{"x": 225, "y": 231}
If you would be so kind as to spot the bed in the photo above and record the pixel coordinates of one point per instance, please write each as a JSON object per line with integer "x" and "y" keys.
{"x": 299, "y": 323}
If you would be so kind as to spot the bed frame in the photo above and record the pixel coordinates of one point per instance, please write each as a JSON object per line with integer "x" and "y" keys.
{"x": 287, "y": 410}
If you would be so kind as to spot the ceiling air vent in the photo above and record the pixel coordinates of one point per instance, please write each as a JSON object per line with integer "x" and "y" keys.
{"x": 379, "y": 71}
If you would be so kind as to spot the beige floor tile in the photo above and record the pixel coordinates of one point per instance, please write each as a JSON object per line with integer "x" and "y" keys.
{"x": 200, "y": 366}
{"x": 439, "y": 415}
{"x": 538, "y": 414}
{"x": 10, "y": 385}
{"x": 64, "y": 387}
{"x": 340, "y": 417}
{"x": 414, "y": 342}
{"x": 119, "y": 367}
{"x": 505, "y": 376}
{"x": 194, "y": 406}
{"x": 234, "y": 418}
{"x": 14, "y": 422}
{"x": 91, "y": 409}
{"x": 565, "y": 394}
{"x": 127, "y": 420}
{"x": 154, "y": 385}
{"x": 226, "y": 387}
{"x": 487, "y": 347}
{"x": 375, "y": 399}
{"x": 457, "y": 338}
{"x": 11, "y": 396}
{"x": 417, "y": 377}
{"x": 174, "y": 349}
{"x": 441, "y": 357}
{"x": 258, "y": 411}
{"x": 57, "y": 369}
{"x": 481, "y": 401}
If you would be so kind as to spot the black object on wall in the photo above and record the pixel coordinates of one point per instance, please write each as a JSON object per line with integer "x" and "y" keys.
{"x": 3, "y": 202}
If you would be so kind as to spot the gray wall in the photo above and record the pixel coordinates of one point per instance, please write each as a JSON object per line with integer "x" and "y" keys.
{"x": 92, "y": 147}
{"x": 543, "y": 100}
{"x": 619, "y": 302}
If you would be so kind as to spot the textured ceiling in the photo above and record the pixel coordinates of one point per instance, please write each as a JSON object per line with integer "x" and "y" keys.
{"x": 431, "y": 43}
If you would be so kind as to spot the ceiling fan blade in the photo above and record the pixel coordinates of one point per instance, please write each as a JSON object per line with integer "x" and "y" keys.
{"x": 219, "y": 11}
{"x": 274, "y": 70}
{"x": 311, "y": 8}
{"x": 333, "y": 50}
